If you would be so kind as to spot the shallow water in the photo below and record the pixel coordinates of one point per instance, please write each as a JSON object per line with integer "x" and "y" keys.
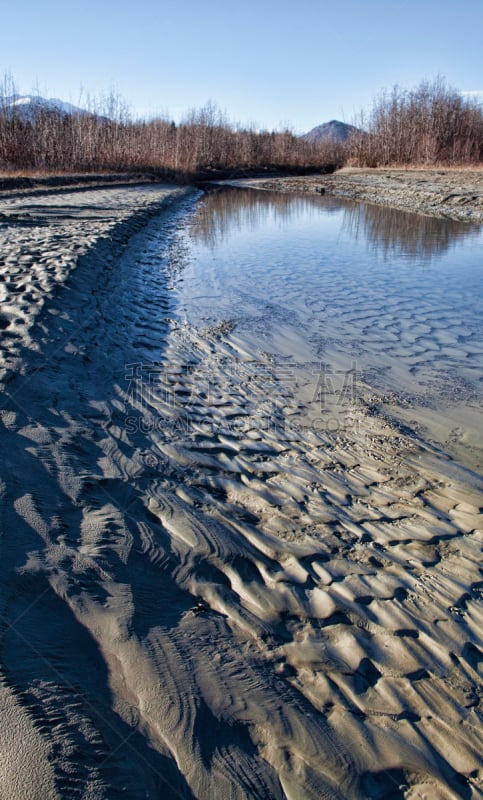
{"x": 356, "y": 295}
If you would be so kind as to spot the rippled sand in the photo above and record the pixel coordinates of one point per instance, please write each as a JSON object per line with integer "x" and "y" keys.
{"x": 204, "y": 594}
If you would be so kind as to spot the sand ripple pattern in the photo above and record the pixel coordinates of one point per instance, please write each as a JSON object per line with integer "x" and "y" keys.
{"x": 198, "y": 603}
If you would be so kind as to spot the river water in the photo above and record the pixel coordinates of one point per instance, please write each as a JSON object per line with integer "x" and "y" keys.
{"x": 344, "y": 297}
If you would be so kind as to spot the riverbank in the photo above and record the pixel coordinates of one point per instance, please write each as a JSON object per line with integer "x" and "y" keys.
{"x": 451, "y": 193}
{"x": 45, "y": 182}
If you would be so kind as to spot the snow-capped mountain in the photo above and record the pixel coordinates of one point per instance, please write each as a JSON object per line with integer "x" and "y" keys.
{"x": 27, "y": 105}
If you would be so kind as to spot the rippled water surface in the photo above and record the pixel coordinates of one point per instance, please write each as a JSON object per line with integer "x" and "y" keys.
{"x": 337, "y": 285}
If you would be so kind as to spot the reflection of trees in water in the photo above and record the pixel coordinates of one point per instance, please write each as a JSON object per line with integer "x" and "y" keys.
{"x": 389, "y": 230}
{"x": 398, "y": 232}
{"x": 247, "y": 209}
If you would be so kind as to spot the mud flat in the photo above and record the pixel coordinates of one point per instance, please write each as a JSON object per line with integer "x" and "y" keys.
{"x": 202, "y": 597}
{"x": 452, "y": 193}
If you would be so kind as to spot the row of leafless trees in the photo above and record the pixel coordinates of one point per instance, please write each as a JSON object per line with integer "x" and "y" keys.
{"x": 432, "y": 124}
{"x": 110, "y": 140}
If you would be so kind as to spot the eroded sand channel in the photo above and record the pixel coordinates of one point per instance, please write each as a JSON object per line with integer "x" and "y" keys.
{"x": 218, "y": 580}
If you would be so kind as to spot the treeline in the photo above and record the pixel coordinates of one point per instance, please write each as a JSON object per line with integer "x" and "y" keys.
{"x": 108, "y": 139}
{"x": 430, "y": 125}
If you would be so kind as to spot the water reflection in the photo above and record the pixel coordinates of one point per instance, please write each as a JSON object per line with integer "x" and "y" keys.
{"x": 389, "y": 231}
{"x": 403, "y": 233}
{"x": 228, "y": 209}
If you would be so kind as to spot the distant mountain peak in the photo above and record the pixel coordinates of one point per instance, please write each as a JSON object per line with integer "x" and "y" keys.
{"x": 334, "y": 130}
{"x": 27, "y": 105}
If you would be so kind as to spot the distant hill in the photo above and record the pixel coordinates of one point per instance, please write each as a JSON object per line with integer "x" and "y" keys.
{"x": 334, "y": 131}
{"x": 28, "y": 106}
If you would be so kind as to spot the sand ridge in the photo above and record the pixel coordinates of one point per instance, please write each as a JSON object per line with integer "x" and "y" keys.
{"x": 203, "y": 596}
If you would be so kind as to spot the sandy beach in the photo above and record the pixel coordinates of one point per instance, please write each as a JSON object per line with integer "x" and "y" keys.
{"x": 223, "y": 609}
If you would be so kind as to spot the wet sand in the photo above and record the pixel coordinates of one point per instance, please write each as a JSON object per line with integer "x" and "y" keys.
{"x": 197, "y": 602}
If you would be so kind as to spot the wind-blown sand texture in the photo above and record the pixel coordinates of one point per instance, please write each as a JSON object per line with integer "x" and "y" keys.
{"x": 193, "y": 604}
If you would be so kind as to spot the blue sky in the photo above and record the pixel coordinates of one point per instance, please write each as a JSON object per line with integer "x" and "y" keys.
{"x": 267, "y": 62}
